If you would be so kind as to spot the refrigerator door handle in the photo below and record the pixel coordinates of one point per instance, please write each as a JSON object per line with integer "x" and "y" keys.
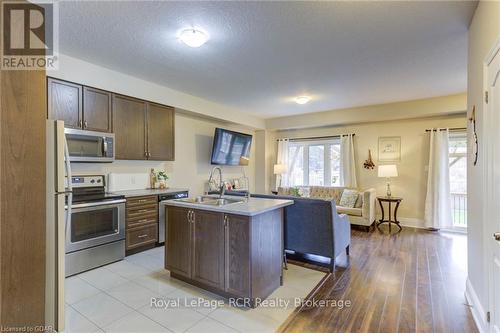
{"x": 68, "y": 165}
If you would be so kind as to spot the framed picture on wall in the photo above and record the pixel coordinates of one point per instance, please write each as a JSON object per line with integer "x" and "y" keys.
{"x": 389, "y": 148}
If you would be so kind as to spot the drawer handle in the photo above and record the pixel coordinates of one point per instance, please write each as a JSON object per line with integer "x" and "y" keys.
{"x": 143, "y": 236}
{"x": 142, "y": 210}
{"x": 143, "y": 220}
{"x": 142, "y": 200}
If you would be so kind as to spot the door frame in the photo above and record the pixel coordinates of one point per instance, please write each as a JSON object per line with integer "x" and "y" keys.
{"x": 488, "y": 174}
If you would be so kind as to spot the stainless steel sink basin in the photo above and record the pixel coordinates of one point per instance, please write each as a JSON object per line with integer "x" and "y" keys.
{"x": 207, "y": 200}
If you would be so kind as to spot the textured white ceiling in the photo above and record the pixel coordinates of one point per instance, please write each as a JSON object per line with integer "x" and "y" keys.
{"x": 262, "y": 54}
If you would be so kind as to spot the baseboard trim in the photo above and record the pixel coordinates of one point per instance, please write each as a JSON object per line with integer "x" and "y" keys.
{"x": 478, "y": 313}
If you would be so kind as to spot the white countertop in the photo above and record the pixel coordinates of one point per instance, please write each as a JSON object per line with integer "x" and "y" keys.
{"x": 252, "y": 207}
{"x": 143, "y": 192}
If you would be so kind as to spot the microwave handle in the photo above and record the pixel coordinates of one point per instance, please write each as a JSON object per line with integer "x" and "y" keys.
{"x": 104, "y": 147}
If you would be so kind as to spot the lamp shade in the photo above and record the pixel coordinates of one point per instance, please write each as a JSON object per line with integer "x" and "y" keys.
{"x": 280, "y": 169}
{"x": 387, "y": 171}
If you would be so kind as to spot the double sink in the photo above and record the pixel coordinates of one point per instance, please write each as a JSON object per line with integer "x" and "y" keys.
{"x": 210, "y": 201}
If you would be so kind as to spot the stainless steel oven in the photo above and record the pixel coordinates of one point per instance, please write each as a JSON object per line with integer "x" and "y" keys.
{"x": 89, "y": 146}
{"x": 95, "y": 229}
{"x": 95, "y": 223}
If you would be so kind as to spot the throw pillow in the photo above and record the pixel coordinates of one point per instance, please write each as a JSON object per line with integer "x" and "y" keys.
{"x": 349, "y": 198}
{"x": 359, "y": 202}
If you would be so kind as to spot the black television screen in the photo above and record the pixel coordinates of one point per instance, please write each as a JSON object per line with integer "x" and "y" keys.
{"x": 231, "y": 148}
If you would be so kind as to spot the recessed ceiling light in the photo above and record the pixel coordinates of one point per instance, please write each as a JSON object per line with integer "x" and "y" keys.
{"x": 193, "y": 37}
{"x": 302, "y": 99}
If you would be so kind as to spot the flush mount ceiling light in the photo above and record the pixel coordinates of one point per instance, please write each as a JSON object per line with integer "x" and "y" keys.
{"x": 302, "y": 99}
{"x": 193, "y": 37}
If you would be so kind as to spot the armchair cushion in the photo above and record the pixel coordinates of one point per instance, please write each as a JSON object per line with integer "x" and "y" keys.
{"x": 350, "y": 211}
{"x": 349, "y": 198}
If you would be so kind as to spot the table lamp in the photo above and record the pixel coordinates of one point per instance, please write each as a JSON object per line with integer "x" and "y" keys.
{"x": 280, "y": 169}
{"x": 388, "y": 171}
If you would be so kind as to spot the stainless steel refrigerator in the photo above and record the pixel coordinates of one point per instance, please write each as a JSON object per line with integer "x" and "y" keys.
{"x": 59, "y": 196}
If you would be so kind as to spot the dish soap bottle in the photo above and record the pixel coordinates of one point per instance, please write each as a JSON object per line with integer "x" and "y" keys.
{"x": 152, "y": 179}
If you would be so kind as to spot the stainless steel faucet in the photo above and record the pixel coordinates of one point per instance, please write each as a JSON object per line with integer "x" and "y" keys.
{"x": 222, "y": 188}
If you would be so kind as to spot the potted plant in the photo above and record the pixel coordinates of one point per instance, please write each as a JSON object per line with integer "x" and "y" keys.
{"x": 162, "y": 179}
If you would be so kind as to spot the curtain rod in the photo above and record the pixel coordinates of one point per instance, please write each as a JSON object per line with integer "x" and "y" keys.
{"x": 316, "y": 137}
{"x": 451, "y": 129}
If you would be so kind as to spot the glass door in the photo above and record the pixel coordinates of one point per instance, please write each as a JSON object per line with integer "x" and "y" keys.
{"x": 458, "y": 178}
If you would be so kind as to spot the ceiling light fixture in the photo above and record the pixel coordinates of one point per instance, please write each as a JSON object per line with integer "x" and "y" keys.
{"x": 193, "y": 37}
{"x": 302, "y": 99}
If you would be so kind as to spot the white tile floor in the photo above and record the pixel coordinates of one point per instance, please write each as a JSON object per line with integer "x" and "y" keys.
{"x": 117, "y": 298}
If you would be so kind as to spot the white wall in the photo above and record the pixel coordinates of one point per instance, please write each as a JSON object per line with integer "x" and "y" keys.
{"x": 484, "y": 29}
{"x": 412, "y": 181}
{"x": 191, "y": 168}
{"x": 420, "y": 108}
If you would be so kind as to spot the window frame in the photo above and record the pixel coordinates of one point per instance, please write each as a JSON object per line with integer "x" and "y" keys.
{"x": 327, "y": 161}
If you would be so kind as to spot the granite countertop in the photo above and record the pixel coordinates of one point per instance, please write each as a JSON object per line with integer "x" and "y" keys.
{"x": 143, "y": 192}
{"x": 250, "y": 207}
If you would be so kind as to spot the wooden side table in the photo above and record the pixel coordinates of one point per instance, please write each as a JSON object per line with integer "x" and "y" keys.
{"x": 390, "y": 200}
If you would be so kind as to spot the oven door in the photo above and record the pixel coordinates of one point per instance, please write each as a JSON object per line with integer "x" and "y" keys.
{"x": 89, "y": 146}
{"x": 93, "y": 224}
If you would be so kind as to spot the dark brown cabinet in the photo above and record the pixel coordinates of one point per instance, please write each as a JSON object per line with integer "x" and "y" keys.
{"x": 141, "y": 223}
{"x": 64, "y": 101}
{"x": 129, "y": 119}
{"x": 233, "y": 255}
{"x": 208, "y": 248}
{"x": 178, "y": 246}
{"x": 143, "y": 130}
{"x": 97, "y": 110}
{"x": 160, "y": 132}
{"x": 237, "y": 251}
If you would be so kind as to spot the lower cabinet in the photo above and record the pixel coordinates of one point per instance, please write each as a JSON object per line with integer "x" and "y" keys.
{"x": 141, "y": 223}
{"x": 213, "y": 250}
{"x": 208, "y": 248}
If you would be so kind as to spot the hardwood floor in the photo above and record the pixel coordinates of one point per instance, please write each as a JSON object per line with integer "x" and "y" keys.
{"x": 413, "y": 281}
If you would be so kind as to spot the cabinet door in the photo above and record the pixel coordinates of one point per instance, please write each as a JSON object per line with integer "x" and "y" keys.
{"x": 96, "y": 110}
{"x": 178, "y": 244}
{"x": 208, "y": 248}
{"x": 237, "y": 254}
{"x": 129, "y": 122}
{"x": 161, "y": 142}
{"x": 65, "y": 102}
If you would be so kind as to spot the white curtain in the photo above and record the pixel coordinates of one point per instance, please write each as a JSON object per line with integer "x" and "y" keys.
{"x": 438, "y": 199}
{"x": 347, "y": 164}
{"x": 282, "y": 158}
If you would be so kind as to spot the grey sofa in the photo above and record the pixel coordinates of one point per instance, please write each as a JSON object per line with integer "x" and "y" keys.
{"x": 312, "y": 226}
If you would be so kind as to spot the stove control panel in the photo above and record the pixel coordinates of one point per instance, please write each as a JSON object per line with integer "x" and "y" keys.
{"x": 87, "y": 181}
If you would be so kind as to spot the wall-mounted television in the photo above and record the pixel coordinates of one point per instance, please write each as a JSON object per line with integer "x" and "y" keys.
{"x": 231, "y": 148}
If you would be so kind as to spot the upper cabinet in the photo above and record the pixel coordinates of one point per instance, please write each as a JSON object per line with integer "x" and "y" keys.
{"x": 129, "y": 119}
{"x": 160, "y": 122}
{"x": 80, "y": 107}
{"x": 65, "y": 102}
{"x": 97, "y": 110}
{"x": 143, "y": 130}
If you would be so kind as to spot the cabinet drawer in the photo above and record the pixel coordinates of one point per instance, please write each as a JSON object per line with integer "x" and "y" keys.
{"x": 141, "y": 236}
{"x": 136, "y": 202}
{"x": 131, "y": 223}
{"x": 131, "y": 213}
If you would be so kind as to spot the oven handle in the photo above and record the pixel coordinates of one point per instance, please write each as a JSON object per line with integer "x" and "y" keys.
{"x": 95, "y": 204}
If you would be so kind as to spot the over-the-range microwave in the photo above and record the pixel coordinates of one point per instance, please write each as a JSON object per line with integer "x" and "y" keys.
{"x": 90, "y": 146}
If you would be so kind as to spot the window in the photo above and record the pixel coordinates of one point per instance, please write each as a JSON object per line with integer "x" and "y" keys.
{"x": 314, "y": 163}
{"x": 458, "y": 178}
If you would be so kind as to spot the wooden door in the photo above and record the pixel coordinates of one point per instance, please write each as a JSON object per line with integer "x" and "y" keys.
{"x": 97, "y": 110}
{"x": 208, "y": 248}
{"x": 129, "y": 122}
{"x": 492, "y": 124}
{"x": 161, "y": 141}
{"x": 65, "y": 102}
{"x": 237, "y": 253}
{"x": 178, "y": 248}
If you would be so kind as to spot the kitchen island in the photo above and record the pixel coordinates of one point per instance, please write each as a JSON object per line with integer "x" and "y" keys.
{"x": 232, "y": 247}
